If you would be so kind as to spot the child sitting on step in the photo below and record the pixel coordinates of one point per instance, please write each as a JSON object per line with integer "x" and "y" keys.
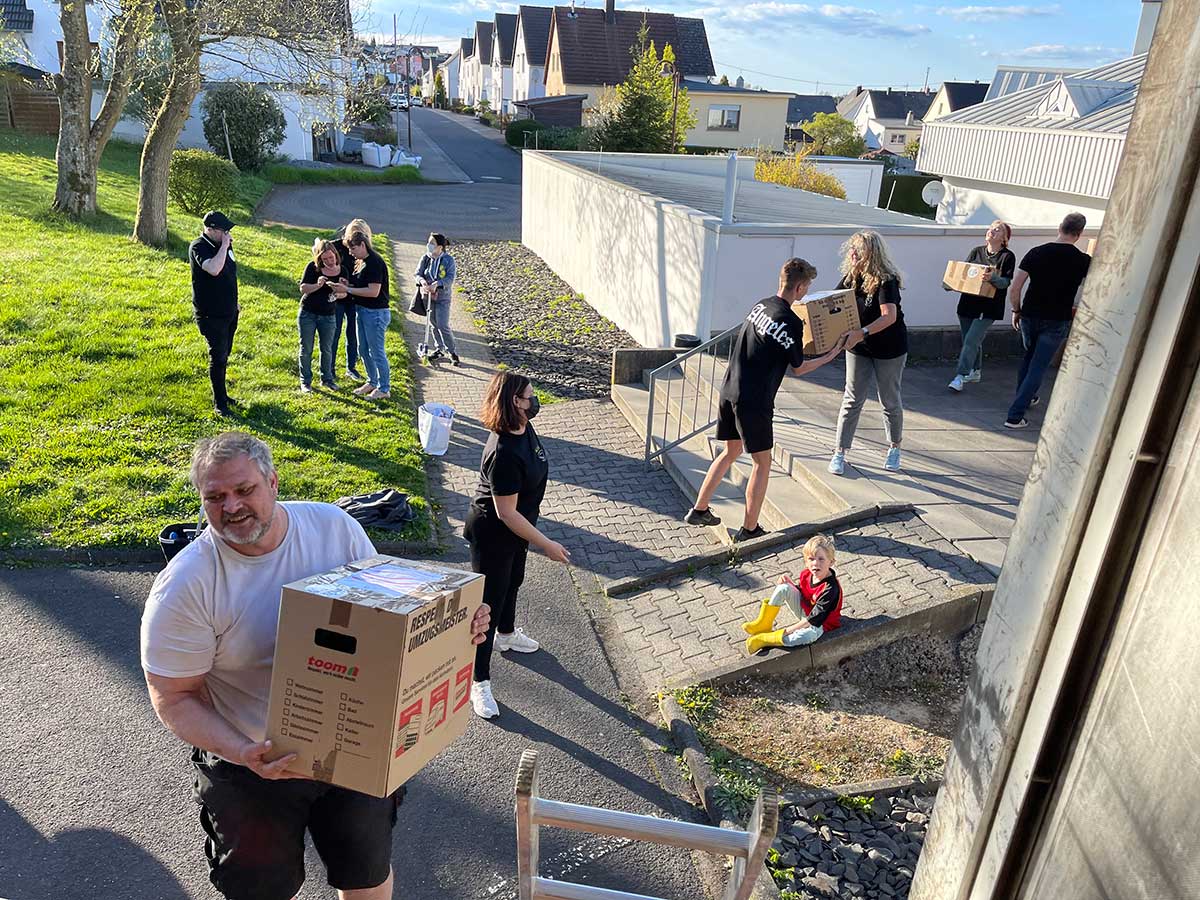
{"x": 815, "y": 597}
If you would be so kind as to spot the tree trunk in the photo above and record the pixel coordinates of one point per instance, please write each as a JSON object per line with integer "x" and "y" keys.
{"x": 150, "y": 226}
{"x": 75, "y": 193}
{"x": 131, "y": 26}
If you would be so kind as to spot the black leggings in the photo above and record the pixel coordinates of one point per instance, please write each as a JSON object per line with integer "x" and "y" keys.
{"x": 503, "y": 567}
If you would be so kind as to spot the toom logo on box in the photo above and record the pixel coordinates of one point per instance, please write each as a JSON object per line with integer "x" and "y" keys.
{"x": 327, "y": 667}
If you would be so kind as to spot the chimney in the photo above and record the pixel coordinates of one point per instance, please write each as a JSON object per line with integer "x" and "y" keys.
{"x": 908, "y": 118}
{"x": 740, "y": 83}
{"x": 889, "y": 90}
{"x": 1150, "y": 11}
{"x": 610, "y": 12}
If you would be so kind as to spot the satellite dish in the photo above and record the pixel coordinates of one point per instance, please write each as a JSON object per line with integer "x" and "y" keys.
{"x": 933, "y": 192}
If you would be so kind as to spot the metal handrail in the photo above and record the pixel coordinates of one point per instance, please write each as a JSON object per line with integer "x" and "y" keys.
{"x": 667, "y": 443}
{"x": 748, "y": 848}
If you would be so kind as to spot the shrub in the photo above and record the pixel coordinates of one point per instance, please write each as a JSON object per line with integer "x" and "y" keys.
{"x": 379, "y": 135}
{"x": 562, "y": 138}
{"x": 484, "y": 119}
{"x": 797, "y": 172}
{"x": 515, "y": 133}
{"x": 199, "y": 181}
{"x": 369, "y": 108}
{"x": 254, "y": 119}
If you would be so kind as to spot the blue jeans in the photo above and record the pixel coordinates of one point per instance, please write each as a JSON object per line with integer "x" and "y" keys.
{"x": 1042, "y": 338}
{"x": 310, "y": 325}
{"x": 973, "y": 332}
{"x": 372, "y": 328}
{"x": 438, "y": 334}
{"x": 346, "y": 311}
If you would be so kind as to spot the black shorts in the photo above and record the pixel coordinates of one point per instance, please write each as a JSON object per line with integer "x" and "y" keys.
{"x": 255, "y": 831}
{"x": 753, "y": 426}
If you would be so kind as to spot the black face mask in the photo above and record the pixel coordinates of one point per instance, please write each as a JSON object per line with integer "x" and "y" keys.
{"x": 534, "y": 406}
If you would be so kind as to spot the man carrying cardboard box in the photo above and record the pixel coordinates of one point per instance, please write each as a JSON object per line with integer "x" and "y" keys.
{"x": 770, "y": 343}
{"x": 207, "y": 644}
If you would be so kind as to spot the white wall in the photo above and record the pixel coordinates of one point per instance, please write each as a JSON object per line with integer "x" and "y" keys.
{"x": 41, "y": 44}
{"x": 501, "y": 88}
{"x": 657, "y": 268}
{"x": 451, "y": 73}
{"x": 527, "y": 79}
{"x": 862, "y": 178}
{"x": 969, "y": 202}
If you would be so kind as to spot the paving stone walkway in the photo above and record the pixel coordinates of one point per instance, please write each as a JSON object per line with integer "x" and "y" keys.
{"x": 618, "y": 517}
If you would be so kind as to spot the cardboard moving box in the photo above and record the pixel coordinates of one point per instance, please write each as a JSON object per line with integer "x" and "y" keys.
{"x": 372, "y": 675}
{"x": 969, "y": 278}
{"x": 827, "y": 315}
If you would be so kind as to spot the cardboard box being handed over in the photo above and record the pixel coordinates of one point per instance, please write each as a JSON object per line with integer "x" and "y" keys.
{"x": 827, "y": 315}
{"x": 372, "y": 675}
{"x": 969, "y": 278}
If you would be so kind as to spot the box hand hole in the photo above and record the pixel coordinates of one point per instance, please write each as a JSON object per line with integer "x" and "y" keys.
{"x": 332, "y": 640}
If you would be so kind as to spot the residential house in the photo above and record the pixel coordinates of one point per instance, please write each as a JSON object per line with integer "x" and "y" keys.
{"x": 529, "y": 53}
{"x": 588, "y": 49}
{"x": 504, "y": 29}
{"x": 1010, "y": 79}
{"x": 803, "y": 108}
{"x": 886, "y": 119}
{"x": 953, "y": 96}
{"x": 1031, "y": 157}
{"x": 734, "y": 118}
{"x": 457, "y": 70}
{"x": 480, "y": 73}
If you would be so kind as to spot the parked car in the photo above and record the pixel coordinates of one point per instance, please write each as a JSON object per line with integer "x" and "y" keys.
{"x": 417, "y": 101}
{"x": 398, "y": 101}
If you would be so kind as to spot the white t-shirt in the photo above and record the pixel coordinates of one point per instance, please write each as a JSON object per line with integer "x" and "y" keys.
{"x": 213, "y": 611}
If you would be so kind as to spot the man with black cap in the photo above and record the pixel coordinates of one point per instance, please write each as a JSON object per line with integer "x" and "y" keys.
{"x": 215, "y": 298}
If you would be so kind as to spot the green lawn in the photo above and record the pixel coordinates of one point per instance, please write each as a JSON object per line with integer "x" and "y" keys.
{"x": 283, "y": 174}
{"x": 103, "y": 375}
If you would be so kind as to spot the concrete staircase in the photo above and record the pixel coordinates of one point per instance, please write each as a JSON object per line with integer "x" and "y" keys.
{"x": 686, "y": 398}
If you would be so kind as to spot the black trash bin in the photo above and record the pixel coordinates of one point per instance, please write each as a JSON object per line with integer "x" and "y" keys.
{"x": 687, "y": 341}
{"x": 174, "y": 538}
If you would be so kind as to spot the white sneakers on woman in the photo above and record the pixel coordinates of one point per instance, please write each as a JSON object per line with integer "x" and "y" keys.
{"x": 518, "y": 642}
{"x": 482, "y": 700}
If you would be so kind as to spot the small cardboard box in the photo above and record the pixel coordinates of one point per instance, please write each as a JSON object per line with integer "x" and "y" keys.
{"x": 1091, "y": 247}
{"x": 372, "y": 675}
{"x": 827, "y": 315}
{"x": 969, "y": 278}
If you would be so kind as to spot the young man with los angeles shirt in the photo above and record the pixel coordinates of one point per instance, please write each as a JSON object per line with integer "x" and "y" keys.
{"x": 770, "y": 343}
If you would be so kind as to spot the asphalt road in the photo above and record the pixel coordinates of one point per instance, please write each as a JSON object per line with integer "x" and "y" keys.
{"x": 478, "y": 150}
{"x": 95, "y": 795}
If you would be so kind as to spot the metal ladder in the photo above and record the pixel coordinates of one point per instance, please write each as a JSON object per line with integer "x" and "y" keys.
{"x": 748, "y": 848}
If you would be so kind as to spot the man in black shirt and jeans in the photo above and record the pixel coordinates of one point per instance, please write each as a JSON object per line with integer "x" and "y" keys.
{"x": 771, "y": 342}
{"x": 215, "y": 299}
{"x": 1054, "y": 272}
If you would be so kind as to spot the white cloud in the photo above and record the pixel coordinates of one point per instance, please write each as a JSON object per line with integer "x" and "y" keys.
{"x": 777, "y": 14}
{"x": 1094, "y": 54}
{"x": 996, "y": 13}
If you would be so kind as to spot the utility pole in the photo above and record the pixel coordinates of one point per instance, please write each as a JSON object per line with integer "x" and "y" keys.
{"x": 407, "y": 93}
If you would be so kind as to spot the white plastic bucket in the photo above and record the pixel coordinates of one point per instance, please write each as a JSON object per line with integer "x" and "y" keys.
{"x": 434, "y": 421}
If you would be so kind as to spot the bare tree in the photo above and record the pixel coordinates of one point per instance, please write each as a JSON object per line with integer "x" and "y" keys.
{"x": 80, "y": 140}
{"x": 300, "y": 45}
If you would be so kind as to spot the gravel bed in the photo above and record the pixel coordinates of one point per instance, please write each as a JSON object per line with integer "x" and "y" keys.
{"x": 834, "y": 849}
{"x": 535, "y": 322}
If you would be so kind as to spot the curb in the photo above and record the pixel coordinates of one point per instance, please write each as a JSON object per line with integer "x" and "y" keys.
{"x": 883, "y": 787}
{"x": 746, "y": 549}
{"x": 967, "y": 606}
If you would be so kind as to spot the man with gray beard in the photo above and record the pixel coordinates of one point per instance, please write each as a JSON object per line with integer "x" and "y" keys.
{"x": 208, "y": 644}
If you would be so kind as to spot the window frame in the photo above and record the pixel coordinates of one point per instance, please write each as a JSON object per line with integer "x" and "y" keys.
{"x": 724, "y": 108}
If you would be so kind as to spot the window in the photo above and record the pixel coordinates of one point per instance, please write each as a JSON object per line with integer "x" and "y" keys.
{"x": 898, "y": 139}
{"x": 724, "y": 118}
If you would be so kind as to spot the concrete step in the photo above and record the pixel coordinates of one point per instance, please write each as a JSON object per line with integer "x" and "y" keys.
{"x": 787, "y": 501}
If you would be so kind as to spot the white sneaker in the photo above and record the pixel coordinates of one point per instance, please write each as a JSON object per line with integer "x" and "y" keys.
{"x": 377, "y": 394}
{"x": 892, "y": 462}
{"x": 363, "y": 389}
{"x": 975, "y": 377}
{"x": 956, "y": 384}
{"x": 518, "y": 641}
{"x": 837, "y": 463}
{"x": 482, "y": 700}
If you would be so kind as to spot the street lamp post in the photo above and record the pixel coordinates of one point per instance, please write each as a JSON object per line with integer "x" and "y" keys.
{"x": 668, "y": 68}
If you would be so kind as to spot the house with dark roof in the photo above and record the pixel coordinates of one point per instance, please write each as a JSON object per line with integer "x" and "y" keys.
{"x": 588, "y": 49}
{"x": 529, "y": 53}
{"x": 953, "y": 96}
{"x": 504, "y": 35}
{"x": 30, "y": 33}
{"x": 886, "y": 119}
{"x": 477, "y": 68}
{"x": 802, "y": 108}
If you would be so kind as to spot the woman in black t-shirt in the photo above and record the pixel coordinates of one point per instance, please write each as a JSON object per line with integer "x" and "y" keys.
{"x": 317, "y": 305}
{"x": 975, "y": 313}
{"x": 368, "y": 288}
{"x": 878, "y": 350}
{"x": 502, "y": 520}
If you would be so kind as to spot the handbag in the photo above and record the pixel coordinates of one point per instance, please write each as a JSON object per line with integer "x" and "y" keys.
{"x": 418, "y": 306}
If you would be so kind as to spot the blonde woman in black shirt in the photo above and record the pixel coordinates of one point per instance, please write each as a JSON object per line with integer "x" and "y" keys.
{"x": 976, "y": 314}
{"x": 877, "y": 351}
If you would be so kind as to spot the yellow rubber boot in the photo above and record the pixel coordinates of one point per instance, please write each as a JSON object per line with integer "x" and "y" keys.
{"x": 766, "y": 618}
{"x": 757, "y": 642}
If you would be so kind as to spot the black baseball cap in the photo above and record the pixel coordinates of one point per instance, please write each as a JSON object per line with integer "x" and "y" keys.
{"x": 217, "y": 219}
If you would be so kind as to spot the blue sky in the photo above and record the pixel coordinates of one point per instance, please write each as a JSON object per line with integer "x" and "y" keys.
{"x": 828, "y": 48}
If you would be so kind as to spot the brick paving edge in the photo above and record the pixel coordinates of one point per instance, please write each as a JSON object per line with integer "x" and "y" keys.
{"x": 966, "y": 606}
{"x": 748, "y": 549}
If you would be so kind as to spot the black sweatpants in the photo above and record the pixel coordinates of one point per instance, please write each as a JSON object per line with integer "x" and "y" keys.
{"x": 503, "y": 566}
{"x": 218, "y": 333}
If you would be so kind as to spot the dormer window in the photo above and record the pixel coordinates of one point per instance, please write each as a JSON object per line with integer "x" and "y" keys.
{"x": 1073, "y": 98}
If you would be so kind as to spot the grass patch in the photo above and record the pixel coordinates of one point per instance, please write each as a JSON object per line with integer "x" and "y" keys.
{"x": 285, "y": 174}
{"x": 103, "y": 375}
